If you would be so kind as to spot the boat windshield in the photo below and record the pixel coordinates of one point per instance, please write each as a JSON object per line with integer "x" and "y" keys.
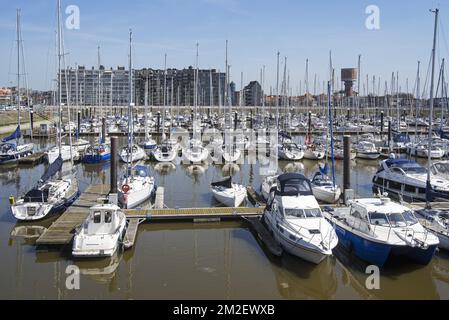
{"x": 403, "y": 219}
{"x": 409, "y": 218}
{"x": 379, "y": 219}
{"x": 302, "y": 213}
{"x": 412, "y": 168}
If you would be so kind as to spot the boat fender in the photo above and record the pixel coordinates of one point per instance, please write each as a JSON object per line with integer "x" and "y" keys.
{"x": 12, "y": 200}
{"x": 125, "y": 188}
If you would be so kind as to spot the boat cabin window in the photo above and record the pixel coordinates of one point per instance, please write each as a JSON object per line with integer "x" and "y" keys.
{"x": 356, "y": 214}
{"x": 409, "y": 218}
{"x": 97, "y": 216}
{"x": 302, "y": 213}
{"x": 397, "y": 220}
{"x": 379, "y": 219}
{"x": 396, "y": 170}
{"x": 108, "y": 217}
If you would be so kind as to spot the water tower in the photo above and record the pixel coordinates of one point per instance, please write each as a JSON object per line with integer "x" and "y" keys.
{"x": 348, "y": 76}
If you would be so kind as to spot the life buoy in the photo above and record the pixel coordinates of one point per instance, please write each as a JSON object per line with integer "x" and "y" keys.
{"x": 125, "y": 188}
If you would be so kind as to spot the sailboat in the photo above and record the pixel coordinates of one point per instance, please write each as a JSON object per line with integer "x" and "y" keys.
{"x": 230, "y": 151}
{"x": 138, "y": 185}
{"x": 194, "y": 152}
{"x": 228, "y": 193}
{"x": 11, "y": 152}
{"x": 324, "y": 188}
{"x": 52, "y": 193}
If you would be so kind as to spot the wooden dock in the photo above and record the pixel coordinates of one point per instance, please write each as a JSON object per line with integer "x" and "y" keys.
{"x": 34, "y": 158}
{"x": 192, "y": 214}
{"x": 62, "y": 230}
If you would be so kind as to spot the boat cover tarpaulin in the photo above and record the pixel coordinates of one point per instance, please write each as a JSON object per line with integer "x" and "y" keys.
{"x": 227, "y": 183}
{"x": 36, "y": 195}
{"x": 52, "y": 169}
{"x": 14, "y": 135}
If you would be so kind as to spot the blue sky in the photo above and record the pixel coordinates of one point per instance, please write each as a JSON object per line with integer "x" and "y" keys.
{"x": 256, "y": 30}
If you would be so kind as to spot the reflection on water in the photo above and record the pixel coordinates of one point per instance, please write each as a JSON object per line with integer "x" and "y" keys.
{"x": 197, "y": 261}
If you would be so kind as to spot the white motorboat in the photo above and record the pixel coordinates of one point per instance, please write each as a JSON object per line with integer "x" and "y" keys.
{"x": 375, "y": 229}
{"x": 228, "y": 193}
{"x": 136, "y": 154}
{"x": 324, "y": 189}
{"x": 101, "y": 233}
{"x": 137, "y": 187}
{"x": 367, "y": 150}
{"x": 406, "y": 179}
{"x": 421, "y": 150}
{"x": 294, "y": 217}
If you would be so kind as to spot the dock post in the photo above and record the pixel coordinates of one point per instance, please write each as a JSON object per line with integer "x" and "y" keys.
{"x": 31, "y": 123}
{"x": 381, "y": 123}
{"x": 103, "y": 129}
{"x": 121, "y": 112}
{"x": 235, "y": 121}
{"x": 347, "y": 114}
{"x": 389, "y": 133}
{"x": 251, "y": 120}
{"x": 158, "y": 126}
{"x": 309, "y": 122}
{"x": 113, "y": 198}
{"x": 348, "y": 193}
{"x": 78, "y": 123}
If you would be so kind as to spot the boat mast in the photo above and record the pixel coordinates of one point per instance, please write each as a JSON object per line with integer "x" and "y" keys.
{"x": 146, "y": 109}
{"x": 277, "y": 92}
{"x": 130, "y": 110}
{"x": 59, "y": 81}
{"x": 18, "y": 73}
{"x": 429, "y": 146}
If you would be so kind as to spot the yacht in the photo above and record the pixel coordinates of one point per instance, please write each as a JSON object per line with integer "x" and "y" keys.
{"x": 11, "y": 152}
{"x": 375, "y": 229}
{"x": 66, "y": 152}
{"x": 136, "y": 187}
{"x": 51, "y": 195}
{"x": 324, "y": 189}
{"x": 295, "y": 219}
{"x": 437, "y": 222}
{"x": 136, "y": 154}
{"x": 290, "y": 151}
{"x": 195, "y": 152}
{"x": 97, "y": 153}
{"x": 101, "y": 233}
{"x": 165, "y": 152}
{"x": 367, "y": 150}
{"x": 228, "y": 193}
{"x": 406, "y": 179}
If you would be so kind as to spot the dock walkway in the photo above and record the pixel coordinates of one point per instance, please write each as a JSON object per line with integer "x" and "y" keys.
{"x": 62, "y": 230}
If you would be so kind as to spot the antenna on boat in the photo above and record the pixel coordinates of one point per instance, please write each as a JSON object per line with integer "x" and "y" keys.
{"x": 429, "y": 147}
